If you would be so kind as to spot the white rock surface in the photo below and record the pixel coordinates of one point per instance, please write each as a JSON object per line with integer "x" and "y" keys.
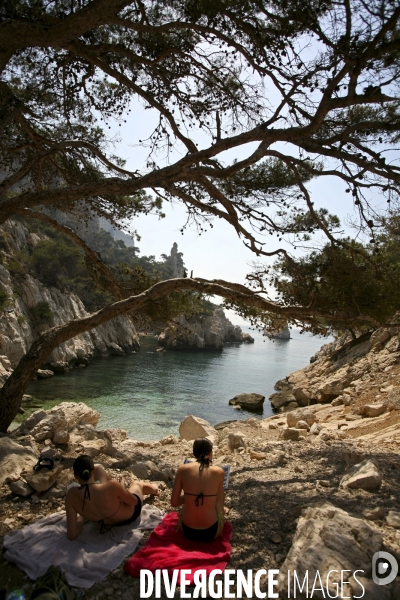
{"x": 364, "y": 475}
{"x": 193, "y": 427}
{"x": 18, "y": 328}
{"x": 328, "y": 539}
{"x": 14, "y": 458}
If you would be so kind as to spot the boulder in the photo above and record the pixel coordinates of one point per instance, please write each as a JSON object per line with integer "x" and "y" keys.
{"x": 77, "y": 413}
{"x": 14, "y": 458}
{"x": 47, "y": 427}
{"x": 236, "y": 441}
{"x": 256, "y": 455}
{"x": 364, "y": 475}
{"x": 315, "y": 428}
{"x": 301, "y": 395}
{"x": 61, "y": 437}
{"x": 393, "y": 519}
{"x": 294, "y": 434}
{"x": 302, "y": 425}
{"x": 33, "y": 420}
{"x": 148, "y": 470}
{"x": 374, "y": 514}
{"x": 193, "y": 427}
{"x": 21, "y": 488}
{"x": 327, "y": 540}
{"x": 380, "y": 336}
{"x": 44, "y": 373}
{"x": 301, "y": 414}
{"x": 291, "y": 406}
{"x": 42, "y": 480}
{"x": 248, "y": 401}
{"x": 281, "y": 399}
{"x": 337, "y": 401}
{"x": 93, "y": 447}
{"x": 170, "y": 439}
{"x": 372, "y": 410}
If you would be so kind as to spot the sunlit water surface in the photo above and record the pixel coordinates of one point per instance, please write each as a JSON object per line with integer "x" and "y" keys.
{"x": 148, "y": 393}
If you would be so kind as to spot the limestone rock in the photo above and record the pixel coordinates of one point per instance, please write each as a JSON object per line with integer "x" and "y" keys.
{"x": 20, "y": 488}
{"x": 77, "y": 413}
{"x": 293, "y": 434}
{"x": 393, "y": 519}
{"x": 281, "y": 399}
{"x": 236, "y": 441}
{"x": 302, "y": 425}
{"x": 170, "y": 439}
{"x": 337, "y": 401}
{"x": 248, "y": 401}
{"x": 93, "y": 447}
{"x": 380, "y": 336}
{"x": 291, "y": 406}
{"x": 364, "y": 475}
{"x": 148, "y": 470}
{"x": 372, "y": 410}
{"x": 14, "y": 458}
{"x": 42, "y": 480}
{"x": 44, "y": 373}
{"x": 328, "y": 539}
{"x": 61, "y": 437}
{"x": 193, "y": 427}
{"x": 47, "y": 427}
{"x": 315, "y": 428}
{"x": 301, "y": 414}
{"x": 256, "y": 455}
{"x": 203, "y": 332}
{"x": 374, "y": 514}
{"x": 33, "y": 420}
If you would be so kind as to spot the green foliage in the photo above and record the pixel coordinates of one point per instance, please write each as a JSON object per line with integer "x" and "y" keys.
{"x": 4, "y": 300}
{"x": 349, "y": 280}
{"x": 42, "y": 312}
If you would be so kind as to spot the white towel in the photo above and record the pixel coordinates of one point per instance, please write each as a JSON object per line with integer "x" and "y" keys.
{"x": 86, "y": 560}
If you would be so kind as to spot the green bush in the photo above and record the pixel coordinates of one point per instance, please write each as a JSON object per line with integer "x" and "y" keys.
{"x": 42, "y": 312}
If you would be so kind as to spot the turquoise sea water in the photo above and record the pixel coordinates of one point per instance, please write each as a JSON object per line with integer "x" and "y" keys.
{"x": 148, "y": 393}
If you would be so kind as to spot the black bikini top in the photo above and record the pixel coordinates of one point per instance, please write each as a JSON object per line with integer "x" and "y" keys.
{"x": 199, "y": 497}
{"x": 87, "y": 492}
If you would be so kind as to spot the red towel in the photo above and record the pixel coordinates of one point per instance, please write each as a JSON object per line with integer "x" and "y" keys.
{"x": 168, "y": 549}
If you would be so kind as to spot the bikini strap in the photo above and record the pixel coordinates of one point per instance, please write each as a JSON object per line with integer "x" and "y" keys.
{"x": 86, "y": 493}
{"x": 200, "y": 497}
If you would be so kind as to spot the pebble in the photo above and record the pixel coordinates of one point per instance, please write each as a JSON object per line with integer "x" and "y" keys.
{"x": 275, "y": 537}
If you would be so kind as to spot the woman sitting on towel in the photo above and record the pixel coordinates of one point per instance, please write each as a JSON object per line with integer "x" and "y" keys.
{"x": 202, "y": 512}
{"x": 100, "y": 498}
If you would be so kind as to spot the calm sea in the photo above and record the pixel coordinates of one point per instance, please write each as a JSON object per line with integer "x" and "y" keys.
{"x": 148, "y": 393}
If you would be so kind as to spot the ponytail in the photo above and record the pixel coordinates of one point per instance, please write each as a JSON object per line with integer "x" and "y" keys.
{"x": 202, "y": 448}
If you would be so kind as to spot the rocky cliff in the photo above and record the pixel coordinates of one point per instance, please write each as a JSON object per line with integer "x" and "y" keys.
{"x": 20, "y": 323}
{"x": 343, "y": 367}
{"x": 203, "y": 332}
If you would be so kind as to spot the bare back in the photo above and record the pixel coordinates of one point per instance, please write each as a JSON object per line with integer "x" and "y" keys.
{"x": 107, "y": 500}
{"x": 203, "y": 494}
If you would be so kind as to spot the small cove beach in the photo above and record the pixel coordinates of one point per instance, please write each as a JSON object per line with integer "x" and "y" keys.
{"x": 148, "y": 393}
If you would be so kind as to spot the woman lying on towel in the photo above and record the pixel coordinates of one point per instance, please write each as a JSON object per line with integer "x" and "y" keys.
{"x": 202, "y": 513}
{"x": 100, "y": 498}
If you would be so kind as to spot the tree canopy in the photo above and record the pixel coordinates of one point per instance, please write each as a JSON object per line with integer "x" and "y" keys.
{"x": 298, "y": 90}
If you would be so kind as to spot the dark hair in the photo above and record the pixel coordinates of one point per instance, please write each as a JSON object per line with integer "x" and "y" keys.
{"x": 83, "y": 466}
{"x": 202, "y": 447}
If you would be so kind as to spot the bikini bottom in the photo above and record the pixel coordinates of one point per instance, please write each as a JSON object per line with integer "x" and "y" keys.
{"x": 136, "y": 513}
{"x": 200, "y": 535}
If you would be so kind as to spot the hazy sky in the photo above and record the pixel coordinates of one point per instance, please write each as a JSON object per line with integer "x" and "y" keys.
{"x": 218, "y": 253}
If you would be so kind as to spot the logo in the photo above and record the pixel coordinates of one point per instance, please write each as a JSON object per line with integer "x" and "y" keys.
{"x": 384, "y": 568}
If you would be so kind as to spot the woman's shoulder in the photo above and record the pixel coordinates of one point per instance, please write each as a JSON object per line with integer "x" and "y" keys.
{"x": 217, "y": 470}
